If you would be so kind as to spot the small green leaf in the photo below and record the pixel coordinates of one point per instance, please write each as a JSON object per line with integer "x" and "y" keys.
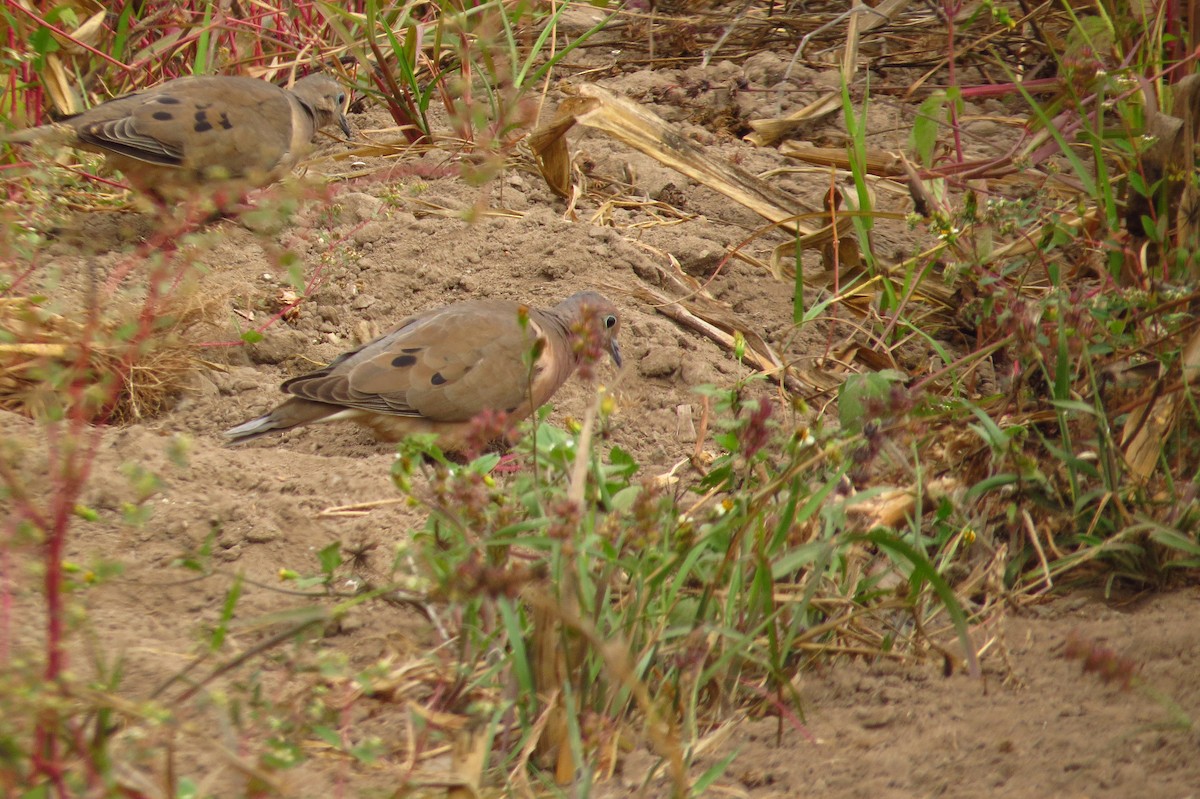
{"x": 1137, "y": 184}
{"x": 295, "y": 270}
{"x": 328, "y": 735}
{"x": 714, "y": 771}
{"x": 177, "y": 449}
{"x": 227, "y": 610}
{"x": 135, "y": 515}
{"x": 330, "y": 558}
{"x": 42, "y": 42}
{"x": 726, "y": 441}
{"x": 924, "y": 136}
{"x": 86, "y": 513}
{"x": 186, "y": 789}
{"x": 862, "y": 391}
{"x": 623, "y": 500}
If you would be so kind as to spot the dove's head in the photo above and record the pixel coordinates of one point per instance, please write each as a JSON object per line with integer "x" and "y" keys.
{"x": 326, "y": 99}
{"x": 594, "y": 322}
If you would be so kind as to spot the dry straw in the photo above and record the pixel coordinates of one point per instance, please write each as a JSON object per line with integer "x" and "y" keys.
{"x": 140, "y": 380}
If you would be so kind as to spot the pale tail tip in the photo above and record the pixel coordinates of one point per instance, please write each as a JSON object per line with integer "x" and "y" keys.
{"x": 251, "y": 429}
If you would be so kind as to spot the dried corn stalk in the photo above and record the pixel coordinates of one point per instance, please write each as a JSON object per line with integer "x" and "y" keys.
{"x": 622, "y": 119}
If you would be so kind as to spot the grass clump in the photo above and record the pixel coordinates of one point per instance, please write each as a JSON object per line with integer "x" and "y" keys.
{"x": 44, "y": 354}
{"x": 590, "y": 608}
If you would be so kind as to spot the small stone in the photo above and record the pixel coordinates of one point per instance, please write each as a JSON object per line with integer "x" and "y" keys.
{"x": 874, "y": 718}
{"x": 261, "y": 536}
{"x": 698, "y": 256}
{"x": 277, "y": 347}
{"x": 203, "y": 386}
{"x": 658, "y": 363}
{"x": 365, "y": 331}
{"x": 369, "y": 233}
{"x": 604, "y": 234}
{"x": 360, "y": 207}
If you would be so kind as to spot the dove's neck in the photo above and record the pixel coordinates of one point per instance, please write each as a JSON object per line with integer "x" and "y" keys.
{"x": 314, "y": 121}
{"x": 557, "y": 324}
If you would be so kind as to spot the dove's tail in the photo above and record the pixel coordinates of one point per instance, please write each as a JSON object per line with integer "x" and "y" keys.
{"x": 48, "y": 134}
{"x": 248, "y": 431}
{"x": 293, "y": 413}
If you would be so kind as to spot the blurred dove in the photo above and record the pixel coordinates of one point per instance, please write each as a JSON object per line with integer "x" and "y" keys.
{"x": 203, "y": 133}
{"x": 438, "y": 370}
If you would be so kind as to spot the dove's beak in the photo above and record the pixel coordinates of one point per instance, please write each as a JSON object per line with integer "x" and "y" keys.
{"x": 344, "y": 124}
{"x": 615, "y": 352}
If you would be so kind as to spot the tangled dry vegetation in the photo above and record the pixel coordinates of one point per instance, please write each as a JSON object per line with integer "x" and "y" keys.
{"x": 985, "y": 390}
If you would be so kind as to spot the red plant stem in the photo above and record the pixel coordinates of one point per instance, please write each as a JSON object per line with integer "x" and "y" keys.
{"x": 72, "y": 457}
{"x": 6, "y": 595}
{"x": 952, "y": 8}
{"x": 1033, "y": 86}
{"x": 1174, "y": 26}
{"x": 32, "y": 97}
{"x": 68, "y": 482}
{"x": 79, "y": 741}
{"x": 71, "y": 451}
{"x": 72, "y": 444}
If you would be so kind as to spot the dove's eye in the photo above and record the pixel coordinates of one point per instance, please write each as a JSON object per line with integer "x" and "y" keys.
{"x": 610, "y": 321}
{"x": 341, "y": 99}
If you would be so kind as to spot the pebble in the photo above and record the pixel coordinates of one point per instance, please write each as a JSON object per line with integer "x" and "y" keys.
{"x": 658, "y": 363}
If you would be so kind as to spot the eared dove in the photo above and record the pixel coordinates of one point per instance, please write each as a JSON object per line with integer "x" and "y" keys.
{"x": 438, "y": 370}
{"x": 203, "y": 133}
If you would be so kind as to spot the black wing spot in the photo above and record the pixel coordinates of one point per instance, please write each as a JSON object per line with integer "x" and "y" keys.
{"x": 225, "y": 123}
{"x": 163, "y": 116}
{"x": 437, "y": 379}
{"x": 167, "y": 100}
{"x": 401, "y": 361}
{"x": 411, "y": 349}
{"x": 202, "y": 123}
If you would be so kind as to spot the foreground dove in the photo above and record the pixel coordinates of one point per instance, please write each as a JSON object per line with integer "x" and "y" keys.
{"x": 438, "y": 370}
{"x": 203, "y": 133}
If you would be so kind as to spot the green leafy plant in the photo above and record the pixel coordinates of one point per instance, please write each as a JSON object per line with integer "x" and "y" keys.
{"x": 621, "y": 609}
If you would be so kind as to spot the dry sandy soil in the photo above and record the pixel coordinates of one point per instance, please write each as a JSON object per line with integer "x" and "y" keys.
{"x": 394, "y": 242}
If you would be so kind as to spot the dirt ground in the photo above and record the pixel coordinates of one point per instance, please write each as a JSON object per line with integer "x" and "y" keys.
{"x": 396, "y": 241}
